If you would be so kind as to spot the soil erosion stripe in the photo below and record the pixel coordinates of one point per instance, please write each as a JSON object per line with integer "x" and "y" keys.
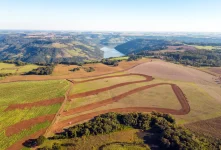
{"x": 35, "y": 104}
{"x": 27, "y": 124}
{"x": 19, "y": 144}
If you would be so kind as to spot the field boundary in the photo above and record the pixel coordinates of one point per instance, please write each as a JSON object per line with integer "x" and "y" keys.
{"x": 185, "y": 108}
{"x": 35, "y": 104}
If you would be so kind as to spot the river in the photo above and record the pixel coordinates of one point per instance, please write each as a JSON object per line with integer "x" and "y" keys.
{"x": 111, "y": 52}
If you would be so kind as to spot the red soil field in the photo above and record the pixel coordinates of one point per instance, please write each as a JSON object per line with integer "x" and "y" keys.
{"x": 35, "y": 104}
{"x": 27, "y": 124}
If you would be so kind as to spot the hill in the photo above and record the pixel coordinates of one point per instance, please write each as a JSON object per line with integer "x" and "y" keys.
{"x": 138, "y": 45}
{"x": 44, "y": 49}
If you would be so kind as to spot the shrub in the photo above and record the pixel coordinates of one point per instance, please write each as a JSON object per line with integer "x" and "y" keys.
{"x": 89, "y": 69}
{"x": 40, "y": 140}
{"x": 41, "y": 71}
{"x": 110, "y": 62}
{"x": 75, "y": 69}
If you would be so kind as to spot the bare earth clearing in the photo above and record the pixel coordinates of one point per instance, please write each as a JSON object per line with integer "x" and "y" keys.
{"x": 171, "y": 71}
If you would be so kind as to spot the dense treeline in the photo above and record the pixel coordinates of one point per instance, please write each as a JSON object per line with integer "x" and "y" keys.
{"x": 134, "y": 57}
{"x": 138, "y": 45}
{"x": 47, "y": 70}
{"x": 17, "y": 63}
{"x": 203, "y": 44}
{"x": 110, "y": 62}
{"x": 170, "y": 136}
{"x": 195, "y": 58}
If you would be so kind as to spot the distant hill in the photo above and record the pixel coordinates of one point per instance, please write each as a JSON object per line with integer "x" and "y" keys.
{"x": 46, "y": 50}
{"x": 138, "y": 45}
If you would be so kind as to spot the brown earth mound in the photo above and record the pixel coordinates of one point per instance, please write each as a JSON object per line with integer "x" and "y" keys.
{"x": 210, "y": 127}
{"x": 35, "y": 104}
{"x": 27, "y": 124}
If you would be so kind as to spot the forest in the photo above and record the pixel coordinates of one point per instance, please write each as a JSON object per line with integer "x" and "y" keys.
{"x": 198, "y": 58}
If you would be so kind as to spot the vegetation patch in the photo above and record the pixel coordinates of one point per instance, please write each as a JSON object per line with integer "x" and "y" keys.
{"x": 101, "y": 83}
{"x": 89, "y": 69}
{"x": 31, "y": 91}
{"x": 6, "y": 142}
{"x": 41, "y": 71}
{"x": 75, "y": 69}
{"x": 124, "y": 146}
{"x": 169, "y": 135}
{"x": 110, "y": 62}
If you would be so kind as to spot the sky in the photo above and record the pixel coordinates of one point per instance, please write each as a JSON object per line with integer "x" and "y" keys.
{"x": 112, "y": 15}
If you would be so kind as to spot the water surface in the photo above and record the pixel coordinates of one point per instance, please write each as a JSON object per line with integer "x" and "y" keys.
{"x": 111, "y": 52}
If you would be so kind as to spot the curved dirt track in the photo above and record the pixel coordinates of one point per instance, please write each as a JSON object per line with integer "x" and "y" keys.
{"x": 84, "y": 94}
{"x": 27, "y": 124}
{"x": 178, "y": 92}
{"x": 35, "y": 104}
{"x": 106, "y": 77}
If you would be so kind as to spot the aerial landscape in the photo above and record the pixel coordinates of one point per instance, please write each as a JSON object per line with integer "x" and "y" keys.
{"x": 98, "y": 76}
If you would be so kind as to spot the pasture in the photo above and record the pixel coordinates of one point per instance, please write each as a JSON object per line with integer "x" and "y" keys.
{"x": 12, "y": 68}
{"x": 129, "y": 136}
{"x": 24, "y": 118}
{"x": 206, "y": 47}
{"x": 63, "y": 71}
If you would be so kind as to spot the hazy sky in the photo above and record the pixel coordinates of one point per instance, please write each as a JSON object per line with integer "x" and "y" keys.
{"x": 112, "y": 15}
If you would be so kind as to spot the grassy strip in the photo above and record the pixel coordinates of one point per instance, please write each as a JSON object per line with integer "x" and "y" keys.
{"x": 5, "y": 142}
{"x": 27, "y": 92}
{"x": 12, "y": 117}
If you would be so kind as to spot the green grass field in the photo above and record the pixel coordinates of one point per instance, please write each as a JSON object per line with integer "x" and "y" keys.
{"x": 5, "y": 141}
{"x": 120, "y": 58}
{"x": 12, "y": 68}
{"x": 31, "y": 91}
{"x": 97, "y": 84}
{"x": 205, "y": 47}
{"x": 95, "y": 142}
{"x": 124, "y": 146}
{"x": 27, "y": 92}
{"x": 202, "y": 105}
